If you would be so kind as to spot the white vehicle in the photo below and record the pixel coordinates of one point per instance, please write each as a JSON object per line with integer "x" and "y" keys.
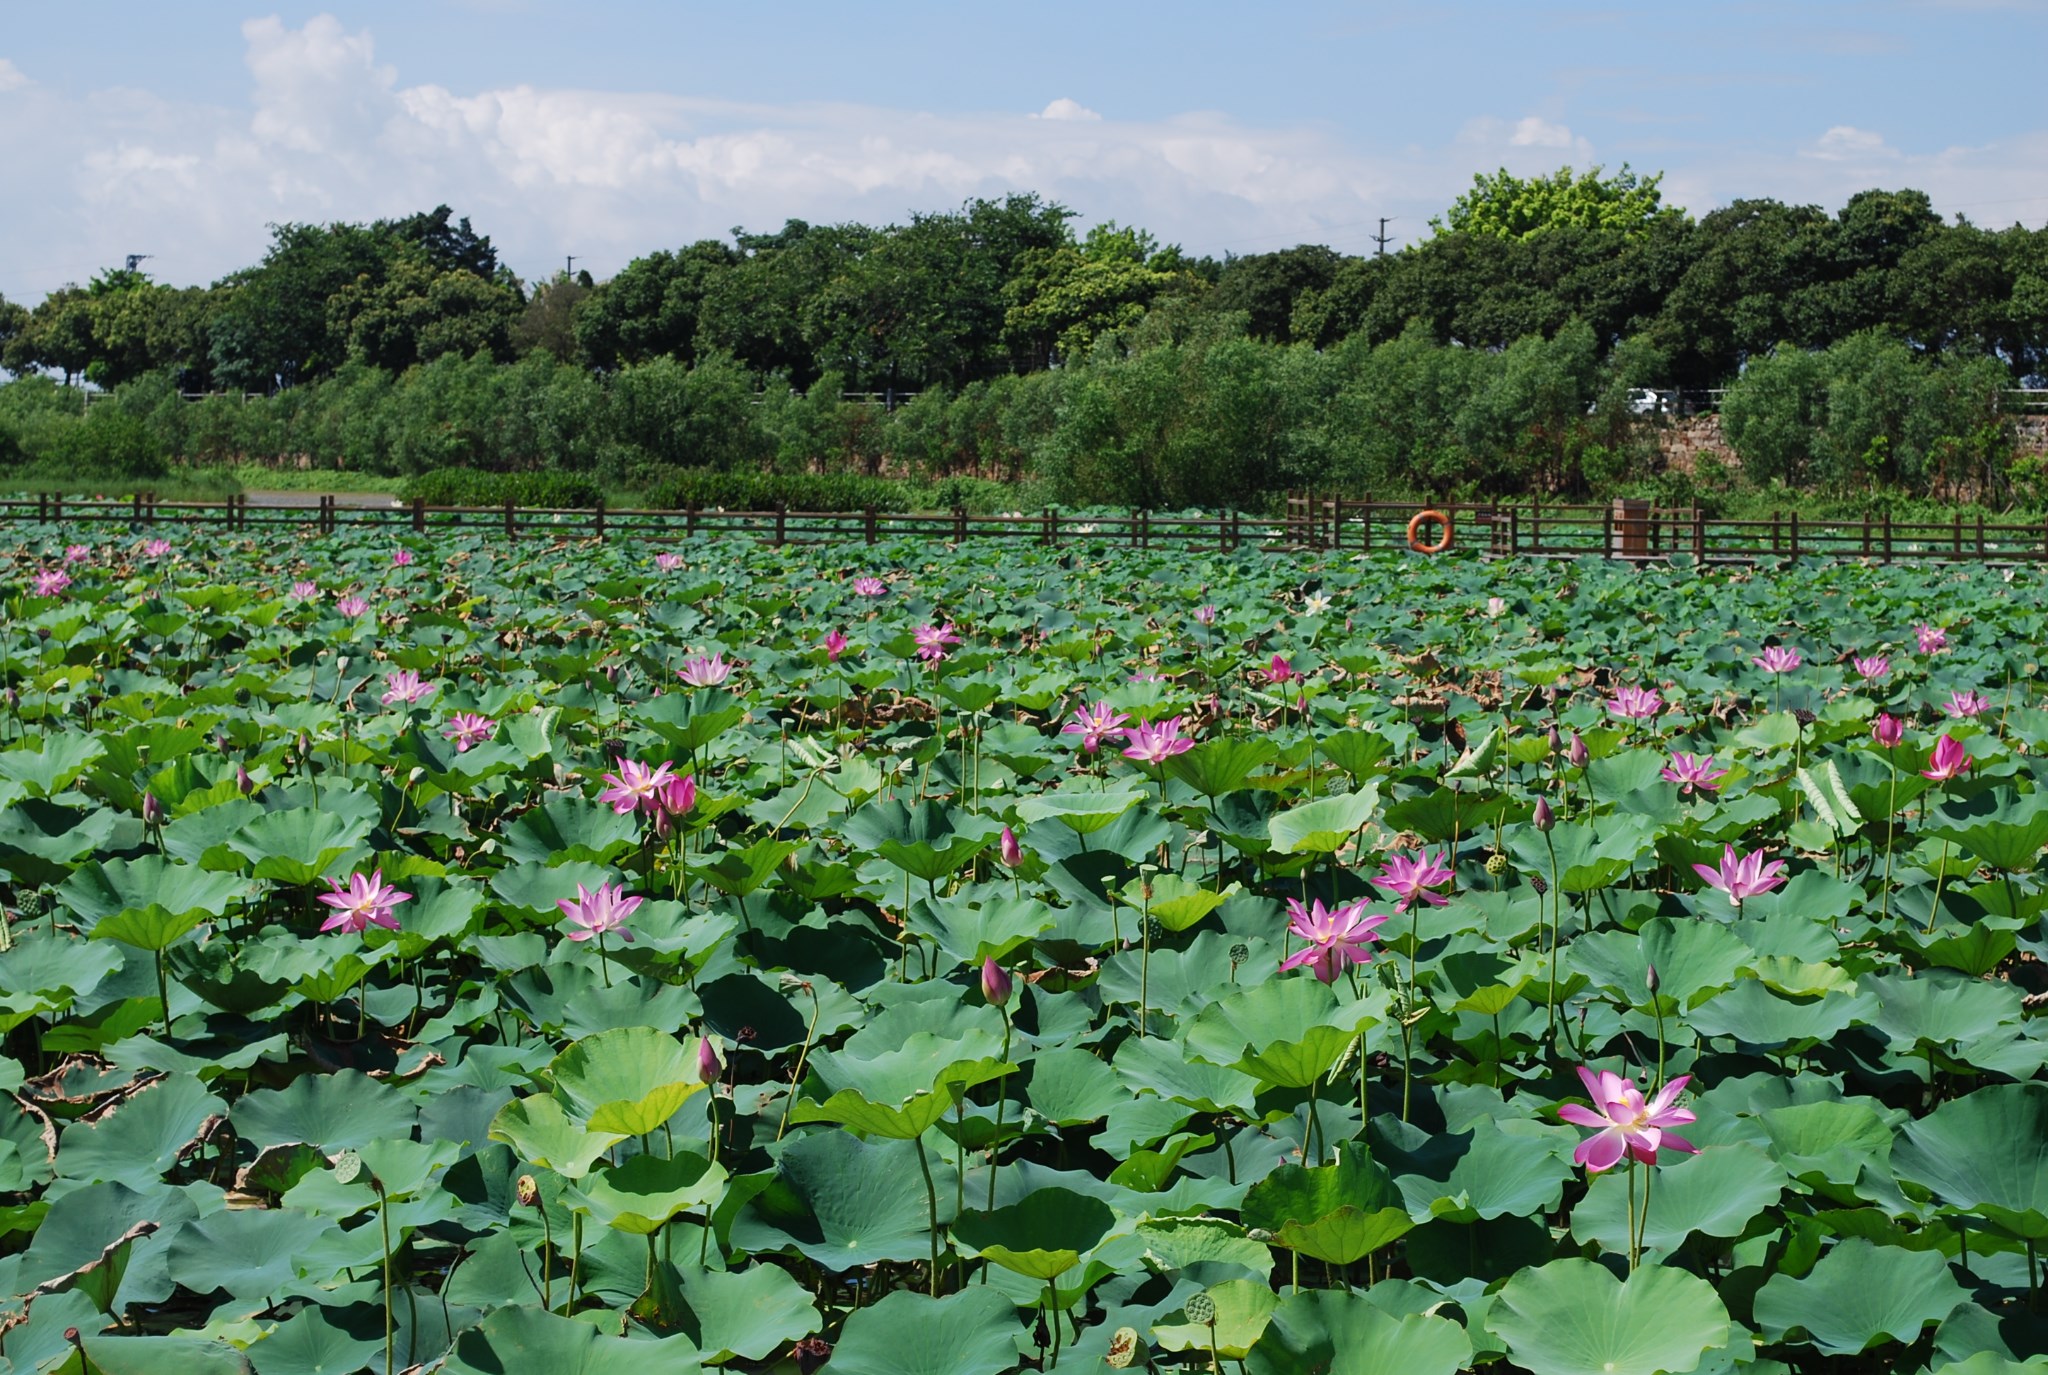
{"x": 1644, "y": 401}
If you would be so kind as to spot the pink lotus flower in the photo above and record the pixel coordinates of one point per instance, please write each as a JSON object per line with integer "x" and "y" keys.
{"x": 156, "y": 548}
{"x": 1156, "y": 743}
{"x": 351, "y": 606}
{"x": 1206, "y": 615}
{"x": 635, "y": 786}
{"x": 1961, "y": 706}
{"x": 1008, "y": 850}
{"x": 835, "y": 645}
{"x": 870, "y": 587}
{"x": 1691, "y": 771}
{"x": 1777, "y": 659}
{"x": 1635, "y": 704}
{"x": 1946, "y": 760}
{"x": 468, "y": 729}
{"x": 1147, "y": 676}
{"x": 404, "y": 686}
{"x": 705, "y": 670}
{"x": 401, "y": 558}
{"x": 50, "y": 582}
{"x": 594, "y": 914}
{"x": 1874, "y": 668}
{"x": 933, "y": 640}
{"x": 1932, "y": 639}
{"x": 1336, "y": 938}
{"x": 364, "y": 903}
{"x": 1743, "y": 877}
{"x": 1496, "y": 607}
{"x": 1093, "y": 723}
{"x": 668, "y": 563}
{"x": 1627, "y": 1126}
{"x": 1887, "y": 730}
{"x": 1411, "y": 878}
{"x": 677, "y": 794}
{"x": 77, "y": 553}
{"x": 305, "y": 590}
{"x": 1280, "y": 672}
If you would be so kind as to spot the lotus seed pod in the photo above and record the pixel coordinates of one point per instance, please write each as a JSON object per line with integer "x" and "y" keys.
{"x": 1259, "y": 1234}
{"x": 243, "y": 697}
{"x": 1200, "y": 1308}
{"x": 1239, "y": 952}
{"x": 528, "y": 1191}
{"x": 1155, "y": 930}
{"x": 1539, "y": 883}
{"x": 1496, "y": 864}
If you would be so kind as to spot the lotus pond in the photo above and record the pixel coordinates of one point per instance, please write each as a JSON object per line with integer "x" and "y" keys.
{"x": 458, "y": 955}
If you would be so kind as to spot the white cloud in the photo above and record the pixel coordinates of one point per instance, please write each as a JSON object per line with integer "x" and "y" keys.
{"x": 11, "y": 77}
{"x": 1531, "y": 132}
{"x": 1846, "y": 143}
{"x": 1064, "y": 108}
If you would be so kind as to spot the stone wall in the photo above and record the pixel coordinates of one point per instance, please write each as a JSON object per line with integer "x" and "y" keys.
{"x": 1682, "y": 442}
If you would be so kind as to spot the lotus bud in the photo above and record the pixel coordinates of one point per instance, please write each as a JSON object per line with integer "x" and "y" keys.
{"x": 1556, "y": 740}
{"x": 1888, "y": 730}
{"x": 243, "y": 783}
{"x": 527, "y": 1191}
{"x": 996, "y": 985}
{"x": 152, "y": 810}
{"x": 13, "y": 699}
{"x": 1544, "y": 818}
{"x": 710, "y": 1069}
{"x": 414, "y": 775}
{"x": 1576, "y": 754}
{"x": 1008, "y": 850}
{"x": 305, "y": 745}
{"x": 1650, "y": 980}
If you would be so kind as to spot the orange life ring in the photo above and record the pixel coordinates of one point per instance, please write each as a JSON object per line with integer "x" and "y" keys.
{"x": 1415, "y": 523}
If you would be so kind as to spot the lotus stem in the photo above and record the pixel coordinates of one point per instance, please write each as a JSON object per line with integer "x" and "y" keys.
{"x": 995, "y": 1145}
{"x": 931, "y": 1198}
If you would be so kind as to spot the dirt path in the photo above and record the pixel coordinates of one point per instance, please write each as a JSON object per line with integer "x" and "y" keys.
{"x": 355, "y": 501}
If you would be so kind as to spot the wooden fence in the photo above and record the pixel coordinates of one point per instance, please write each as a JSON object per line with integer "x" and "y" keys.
{"x": 1633, "y": 531}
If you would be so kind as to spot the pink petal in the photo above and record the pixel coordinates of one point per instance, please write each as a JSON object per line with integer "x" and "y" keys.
{"x": 1600, "y": 1153}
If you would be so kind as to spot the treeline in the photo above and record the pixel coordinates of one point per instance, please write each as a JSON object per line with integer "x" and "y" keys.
{"x": 1495, "y": 356}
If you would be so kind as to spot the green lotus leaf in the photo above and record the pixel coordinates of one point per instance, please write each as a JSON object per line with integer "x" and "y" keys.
{"x": 1284, "y": 1032}
{"x": 982, "y": 924}
{"x": 335, "y": 1111}
{"x": 53, "y": 764}
{"x": 312, "y": 1343}
{"x": 1082, "y": 809}
{"x": 1177, "y": 903}
{"x": 1243, "y": 1308}
{"x": 691, "y": 720}
{"x": 1042, "y": 1236}
{"x": 39, "y": 841}
{"x": 1715, "y": 1193}
{"x": 1163, "y": 1067}
{"x": 1835, "y": 1140}
{"x": 1221, "y": 765}
{"x": 1587, "y": 857}
{"x": 750, "y": 1314}
{"x": 1338, "y": 1213}
{"x": 1939, "y": 1007}
{"x": 142, "y": 1137}
{"x": 1857, "y": 1296}
{"x": 641, "y": 1195}
{"x": 1985, "y": 1153}
{"x": 843, "y": 1203}
{"x": 303, "y": 844}
{"x": 542, "y": 1132}
{"x": 523, "y": 1338}
{"x": 1571, "y": 1316}
{"x": 739, "y": 872}
{"x": 1074, "y": 1086}
{"x": 1205, "y": 1246}
{"x": 2003, "y": 829}
{"x": 1694, "y": 960}
{"x": 569, "y": 828}
{"x": 1325, "y": 825}
{"x": 1350, "y": 1334}
{"x": 973, "y": 1332}
{"x": 537, "y": 886}
{"x": 1485, "y": 1171}
{"x": 626, "y": 1081}
{"x": 906, "y": 1116}
{"x": 251, "y": 1253}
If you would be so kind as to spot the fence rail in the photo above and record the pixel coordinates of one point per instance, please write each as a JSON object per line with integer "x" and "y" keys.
{"x": 1634, "y": 531}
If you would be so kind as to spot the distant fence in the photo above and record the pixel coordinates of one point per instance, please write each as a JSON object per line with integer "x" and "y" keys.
{"x": 1635, "y": 531}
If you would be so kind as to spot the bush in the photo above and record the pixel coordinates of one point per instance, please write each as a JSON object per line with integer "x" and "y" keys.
{"x": 474, "y": 487}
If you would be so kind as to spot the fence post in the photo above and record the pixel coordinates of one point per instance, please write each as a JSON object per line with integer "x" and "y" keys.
{"x": 511, "y": 519}
{"x": 959, "y": 525}
{"x": 600, "y": 518}
{"x": 1236, "y": 528}
{"x": 1607, "y": 532}
{"x": 1795, "y": 534}
{"x": 1887, "y": 536}
{"x": 1957, "y": 539}
{"x": 56, "y": 507}
{"x": 1141, "y": 532}
{"x": 867, "y": 524}
{"x": 1980, "y": 537}
{"x": 781, "y": 521}
{"x": 42, "y": 506}
{"x": 136, "y": 505}
{"x": 419, "y": 515}
{"x": 1052, "y": 525}
{"x": 1866, "y": 534}
{"x": 690, "y": 519}
{"x": 1514, "y": 531}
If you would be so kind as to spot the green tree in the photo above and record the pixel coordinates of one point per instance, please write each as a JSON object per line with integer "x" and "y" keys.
{"x": 1506, "y": 206}
{"x": 1063, "y": 299}
{"x": 418, "y": 312}
{"x": 651, "y": 309}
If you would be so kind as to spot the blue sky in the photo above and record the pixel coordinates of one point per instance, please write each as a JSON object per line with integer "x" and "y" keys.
{"x": 608, "y": 128}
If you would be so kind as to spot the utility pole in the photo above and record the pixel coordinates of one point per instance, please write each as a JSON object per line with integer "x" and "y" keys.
{"x": 136, "y": 260}
{"x": 569, "y": 268}
{"x": 1381, "y": 238}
